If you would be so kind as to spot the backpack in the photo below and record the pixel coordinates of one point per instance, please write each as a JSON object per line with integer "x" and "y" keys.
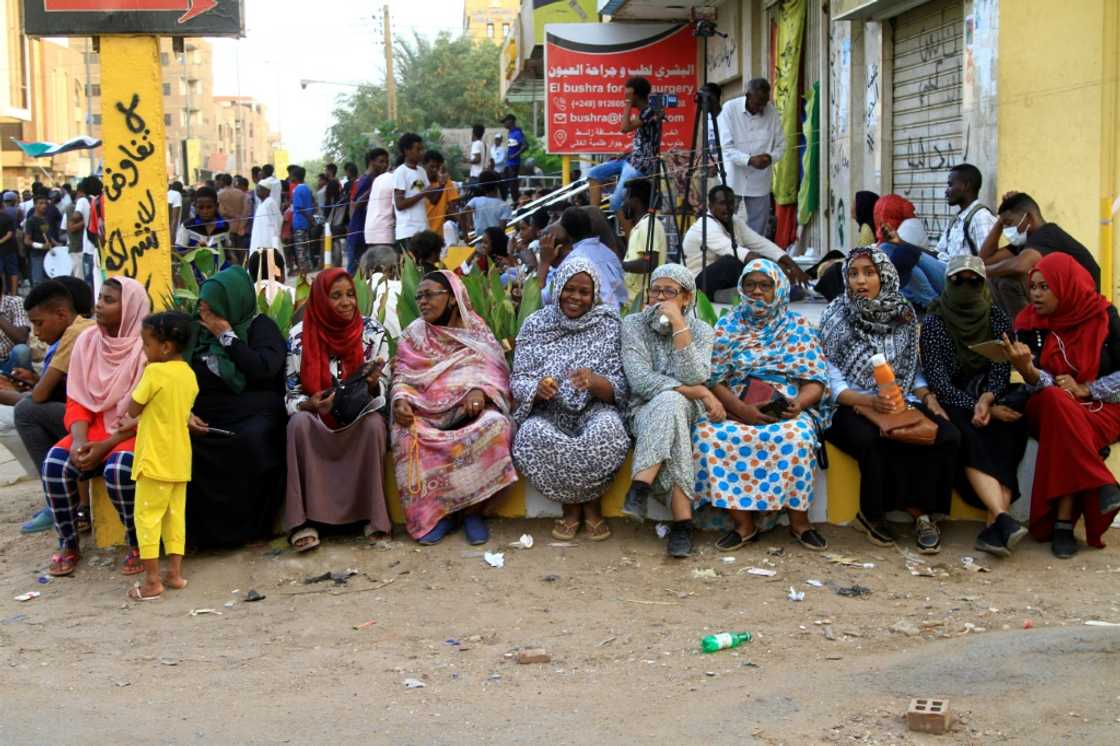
{"x": 968, "y": 234}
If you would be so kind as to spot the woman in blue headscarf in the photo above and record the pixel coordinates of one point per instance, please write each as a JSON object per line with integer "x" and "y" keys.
{"x": 770, "y": 374}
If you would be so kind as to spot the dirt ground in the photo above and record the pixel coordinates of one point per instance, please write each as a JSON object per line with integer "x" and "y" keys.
{"x": 621, "y": 622}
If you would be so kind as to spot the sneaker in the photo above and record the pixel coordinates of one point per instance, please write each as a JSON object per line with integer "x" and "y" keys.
{"x": 680, "y": 539}
{"x": 41, "y": 521}
{"x": 990, "y": 540}
{"x": 1108, "y": 498}
{"x": 475, "y": 529}
{"x": 927, "y": 535}
{"x": 1011, "y": 531}
{"x": 636, "y": 499}
{"x": 1064, "y": 543}
{"x": 876, "y": 532}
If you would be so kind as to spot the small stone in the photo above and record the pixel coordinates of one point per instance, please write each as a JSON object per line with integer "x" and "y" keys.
{"x": 905, "y": 627}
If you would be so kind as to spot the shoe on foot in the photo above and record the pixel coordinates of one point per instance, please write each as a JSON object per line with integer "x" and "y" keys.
{"x": 734, "y": 540}
{"x": 1011, "y": 531}
{"x": 1108, "y": 498}
{"x": 635, "y": 505}
{"x": 876, "y": 532}
{"x": 41, "y": 521}
{"x": 680, "y": 539}
{"x": 990, "y": 540}
{"x": 438, "y": 532}
{"x": 475, "y": 529}
{"x": 1064, "y": 543}
{"x": 927, "y": 535}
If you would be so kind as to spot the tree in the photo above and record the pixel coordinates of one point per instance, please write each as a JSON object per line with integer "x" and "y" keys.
{"x": 442, "y": 83}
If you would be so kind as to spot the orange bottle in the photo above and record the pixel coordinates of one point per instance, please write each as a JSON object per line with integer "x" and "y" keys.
{"x": 884, "y": 376}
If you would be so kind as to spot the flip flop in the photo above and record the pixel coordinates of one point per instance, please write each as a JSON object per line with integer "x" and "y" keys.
{"x": 307, "y": 532}
{"x": 597, "y": 531}
{"x": 564, "y": 531}
{"x": 132, "y": 564}
{"x": 135, "y": 594}
{"x": 63, "y": 563}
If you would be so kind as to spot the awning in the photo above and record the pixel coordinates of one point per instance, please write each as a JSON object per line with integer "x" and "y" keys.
{"x": 871, "y": 10}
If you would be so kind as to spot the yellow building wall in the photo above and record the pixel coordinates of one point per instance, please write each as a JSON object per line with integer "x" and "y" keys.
{"x": 1058, "y": 84}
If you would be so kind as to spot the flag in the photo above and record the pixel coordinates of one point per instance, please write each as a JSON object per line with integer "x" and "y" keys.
{"x": 49, "y": 149}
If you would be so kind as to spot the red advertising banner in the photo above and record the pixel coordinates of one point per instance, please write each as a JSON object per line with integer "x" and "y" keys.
{"x": 586, "y": 69}
{"x": 161, "y": 17}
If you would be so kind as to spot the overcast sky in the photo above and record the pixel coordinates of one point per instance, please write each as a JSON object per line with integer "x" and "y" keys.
{"x": 287, "y": 41}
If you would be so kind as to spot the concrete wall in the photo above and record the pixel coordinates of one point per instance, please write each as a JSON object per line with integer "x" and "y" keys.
{"x": 1058, "y": 117}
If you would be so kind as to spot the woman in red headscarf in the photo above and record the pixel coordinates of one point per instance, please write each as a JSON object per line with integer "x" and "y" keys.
{"x": 337, "y": 384}
{"x": 1068, "y": 352}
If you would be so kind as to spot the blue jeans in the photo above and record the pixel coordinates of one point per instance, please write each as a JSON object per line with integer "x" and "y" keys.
{"x": 606, "y": 171}
{"x": 926, "y": 281}
{"x": 38, "y": 274}
{"x": 19, "y": 357}
{"x": 87, "y": 267}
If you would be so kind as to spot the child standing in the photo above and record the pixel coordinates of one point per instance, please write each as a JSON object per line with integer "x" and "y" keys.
{"x": 160, "y": 409}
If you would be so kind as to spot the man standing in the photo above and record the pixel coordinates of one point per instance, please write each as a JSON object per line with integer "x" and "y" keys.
{"x": 380, "y": 228}
{"x": 646, "y": 126}
{"x": 487, "y": 210}
{"x": 498, "y": 164}
{"x": 9, "y": 247}
{"x": 750, "y": 134}
{"x": 477, "y": 155}
{"x": 1029, "y": 238}
{"x": 37, "y": 238}
{"x": 84, "y": 220}
{"x": 973, "y": 222}
{"x": 411, "y": 188}
{"x": 446, "y": 207}
{"x": 377, "y": 162}
{"x": 242, "y": 227}
{"x": 515, "y": 147}
{"x": 303, "y": 211}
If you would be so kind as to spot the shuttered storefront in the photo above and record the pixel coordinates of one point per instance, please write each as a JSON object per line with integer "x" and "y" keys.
{"x": 927, "y": 127}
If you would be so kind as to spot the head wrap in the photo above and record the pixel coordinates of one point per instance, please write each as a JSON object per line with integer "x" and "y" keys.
{"x": 891, "y": 210}
{"x": 853, "y": 329}
{"x": 104, "y": 370}
{"x": 231, "y": 296}
{"x": 327, "y": 335}
{"x": 1079, "y": 325}
{"x": 865, "y": 208}
{"x": 966, "y": 311}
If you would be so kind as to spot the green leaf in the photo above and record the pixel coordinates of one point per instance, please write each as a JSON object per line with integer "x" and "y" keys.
{"x": 262, "y": 303}
{"x": 184, "y": 294}
{"x": 281, "y": 310}
{"x": 187, "y": 278}
{"x": 704, "y": 309}
{"x": 364, "y": 296}
{"x": 303, "y": 290}
{"x": 474, "y": 282}
{"x": 530, "y": 301}
{"x": 407, "y": 310}
{"x": 205, "y": 261}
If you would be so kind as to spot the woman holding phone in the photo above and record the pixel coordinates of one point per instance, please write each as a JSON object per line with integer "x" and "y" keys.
{"x": 770, "y": 374}
{"x": 337, "y": 386}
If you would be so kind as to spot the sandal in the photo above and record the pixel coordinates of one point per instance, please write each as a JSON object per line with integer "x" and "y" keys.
{"x": 63, "y": 563}
{"x": 132, "y": 564}
{"x": 734, "y": 540}
{"x": 811, "y": 539}
{"x": 597, "y": 531}
{"x": 308, "y": 536}
{"x": 135, "y": 594}
{"x": 564, "y": 531}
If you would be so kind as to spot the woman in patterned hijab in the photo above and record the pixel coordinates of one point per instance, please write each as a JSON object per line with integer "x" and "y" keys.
{"x": 872, "y": 318}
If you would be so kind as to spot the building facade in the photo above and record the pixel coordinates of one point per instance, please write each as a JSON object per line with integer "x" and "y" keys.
{"x": 489, "y": 20}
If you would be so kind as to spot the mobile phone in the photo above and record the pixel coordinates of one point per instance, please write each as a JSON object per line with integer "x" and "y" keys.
{"x": 220, "y": 432}
{"x": 17, "y": 382}
{"x": 775, "y": 407}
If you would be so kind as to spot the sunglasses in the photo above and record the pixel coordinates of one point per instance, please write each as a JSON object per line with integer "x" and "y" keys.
{"x": 970, "y": 281}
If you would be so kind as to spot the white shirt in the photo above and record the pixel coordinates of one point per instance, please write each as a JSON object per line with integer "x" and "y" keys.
{"x": 174, "y": 199}
{"x": 386, "y": 293}
{"x": 719, "y": 243}
{"x": 83, "y": 207}
{"x": 380, "y": 213}
{"x": 477, "y": 148}
{"x": 267, "y": 224}
{"x": 411, "y": 181}
{"x": 743, "y": 135}
{"x": 980, "y": 222}
{"x": 498, "y": 155}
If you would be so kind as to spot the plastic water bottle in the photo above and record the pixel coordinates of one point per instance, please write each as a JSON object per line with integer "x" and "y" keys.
{"x": 723, "y": 641}
{"x": 328, "y": 246}
{"x": 884, "y": 376}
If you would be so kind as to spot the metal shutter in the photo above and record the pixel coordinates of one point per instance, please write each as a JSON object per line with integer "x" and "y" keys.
{"x": 926, "y": 121}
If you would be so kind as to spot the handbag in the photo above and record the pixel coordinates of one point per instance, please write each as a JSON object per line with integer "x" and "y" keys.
{"x": 908, "y": 426}
{"x": 351, "y": 397}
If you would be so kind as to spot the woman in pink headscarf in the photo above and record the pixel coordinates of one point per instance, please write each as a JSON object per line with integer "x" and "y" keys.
{"x": 105, "y": 367}
{"x": 452, "y": 431}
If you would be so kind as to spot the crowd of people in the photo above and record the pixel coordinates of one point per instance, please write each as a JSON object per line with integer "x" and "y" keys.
{"x": 213, "y": 430}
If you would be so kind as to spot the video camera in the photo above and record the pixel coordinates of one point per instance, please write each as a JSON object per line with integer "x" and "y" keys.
{"x": 664, "y": 100}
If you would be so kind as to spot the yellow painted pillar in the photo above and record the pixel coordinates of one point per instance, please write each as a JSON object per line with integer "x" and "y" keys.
{"x": 566, "y": 169}
{"x": 137, "y": 238}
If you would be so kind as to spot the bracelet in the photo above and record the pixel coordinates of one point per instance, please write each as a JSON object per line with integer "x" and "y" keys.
{"x": 680, "y": 331}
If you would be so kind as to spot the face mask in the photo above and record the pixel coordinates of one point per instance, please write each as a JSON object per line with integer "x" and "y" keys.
{"x": 1014, "y": 236}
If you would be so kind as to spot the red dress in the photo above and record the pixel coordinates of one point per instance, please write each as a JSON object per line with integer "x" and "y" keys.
{"x": 75, "y": 412}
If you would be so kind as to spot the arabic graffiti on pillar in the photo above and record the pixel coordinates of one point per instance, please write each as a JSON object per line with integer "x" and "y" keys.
{"x": 123, "y": 249}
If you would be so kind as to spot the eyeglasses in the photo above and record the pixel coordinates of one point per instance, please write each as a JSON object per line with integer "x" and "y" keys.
{"x": 663, "y": 292}
{"x": 972, "y": 281}
{"x": 749, "y": 286}
{"x": 422, "y": 297}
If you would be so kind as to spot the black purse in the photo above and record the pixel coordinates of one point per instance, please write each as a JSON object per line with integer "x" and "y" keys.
{"x": 351, "y": 397}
